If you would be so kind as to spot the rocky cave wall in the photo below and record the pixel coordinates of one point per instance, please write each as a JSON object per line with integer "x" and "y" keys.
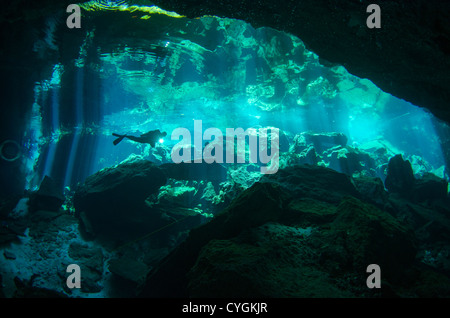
{"x": 408, "y": 57}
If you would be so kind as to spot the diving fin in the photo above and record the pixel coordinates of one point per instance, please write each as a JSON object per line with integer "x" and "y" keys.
{"x": 115, "y": 142}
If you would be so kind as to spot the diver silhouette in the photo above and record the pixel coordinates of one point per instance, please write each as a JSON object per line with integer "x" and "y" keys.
{"x": 148, "y": 138}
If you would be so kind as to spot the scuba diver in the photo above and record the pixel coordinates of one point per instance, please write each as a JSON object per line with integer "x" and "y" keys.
{"x": 148, "y": 138}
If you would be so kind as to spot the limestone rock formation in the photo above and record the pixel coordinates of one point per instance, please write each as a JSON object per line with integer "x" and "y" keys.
{"x": 304, "y": 232}
{"x": 112, "y": 200}
{"x": 429, "y": 187}
{"x": 400, "y": 178}
{"x": 90, "y": 260}
{"x": 48, "y": 197}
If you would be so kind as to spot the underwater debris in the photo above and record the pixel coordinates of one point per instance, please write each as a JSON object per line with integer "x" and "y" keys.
{"x": 177, "y": 194}
{"x": 351, "y": 161}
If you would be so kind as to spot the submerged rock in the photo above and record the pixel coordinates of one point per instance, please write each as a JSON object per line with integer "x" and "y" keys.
{"x": 299, "y": 233}
{"x": 129, "y": 203}
{"x": 371, "y": 189}
{"x": 7, "y": 204}
{"x": 278, "y": 260}
{"x": 245, "y": 175}
{"x": 272, "y": 260}
{"x": 113, "y": 199}
{"x": 48, "y": 197}
{"x": 429, "y": 188}
{"x": 320, "y": 141}
{"x": 255, "y": 206}
{"x": 349, "y": 160}
{"x": 314, "y": 182}
{"x": 119, "y": 186}
{"x": 371, "y": 236}
{"x": 307, "y": 156}
{"x": 400, "y": 177}
{"x": 90, "y": 261}
{"x": 128, "y": 269}
{"x": 309, "y": 231}
{"x": 401, "y": 180}
{"x": 326, "y": 140}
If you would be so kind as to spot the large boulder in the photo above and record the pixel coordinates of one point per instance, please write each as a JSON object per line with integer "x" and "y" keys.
{"x": 295, "y": 197}
{"x": 371, "y": 190}
{"x": 280, "y": 260}
{"x": 48, "y": 197}
{"x": 350, "y": 161}
{"x": 400, "y": 178}
{"x": 303, "y": 232}
{"x": 429, "y": 188}
{"x": 257, "y": 205}
{"x": 272, "y": 260}
{"x": 113, "y": 200}
{"x": 314, "y": 182}
{"x": 129, "y": 270}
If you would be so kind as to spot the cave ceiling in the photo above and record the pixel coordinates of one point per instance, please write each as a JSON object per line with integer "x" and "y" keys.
{"x": 408, "y": 57}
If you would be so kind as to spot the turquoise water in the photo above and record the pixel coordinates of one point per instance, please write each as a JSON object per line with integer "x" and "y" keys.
{"x": 226, "y": 74}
